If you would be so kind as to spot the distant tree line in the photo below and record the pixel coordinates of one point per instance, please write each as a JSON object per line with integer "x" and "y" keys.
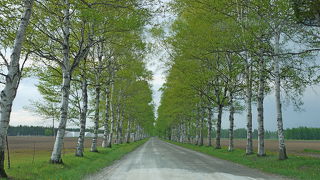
{"x": 303, "y": 133}
{"x": 37, "y": 131}
{"x": 242, "y": 134}
{"x": 300, "y": 133}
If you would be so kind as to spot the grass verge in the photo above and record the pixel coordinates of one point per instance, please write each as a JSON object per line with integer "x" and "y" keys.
{"x": 73, "y": 167}
{"x": 311, "y": 151}
{"x": 296, "y": 167}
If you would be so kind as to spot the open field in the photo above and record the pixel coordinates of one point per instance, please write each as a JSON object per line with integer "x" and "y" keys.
{"x": 37, "y": 145}
{"x": 43, "y": 142}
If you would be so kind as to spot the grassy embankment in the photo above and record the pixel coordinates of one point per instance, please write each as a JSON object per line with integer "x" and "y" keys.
{"x": 296, "y": 167}
{"x": 22, "y": 166}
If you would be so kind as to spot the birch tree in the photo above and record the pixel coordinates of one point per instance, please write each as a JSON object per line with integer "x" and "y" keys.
{"x": 12, "y": 78}
{"x": 83, "y": 112}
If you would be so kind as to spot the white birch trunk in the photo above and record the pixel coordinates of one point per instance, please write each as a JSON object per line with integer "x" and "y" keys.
{"x": 118, "y": 124}
{"x": 12, "y": 81}
{"x": 249, "y": 147}
{"x": 209, "y": 126}
{"x": 83, "y": 118}
{"x": 128, "y": 131}
{"x": 197, "y": 132}
{"x": 201, "y": 128}
{"x": 231, "y": 121}
{"x": 188, "y": 129}
{"x": 96, "y": 120}
{"x": 58, "y": 145}
{"x": 282, "y": 146}
{"x": 218, "y": 136}
{"x": 260, "y": 109}
{"x": 66, "y": 73}
{"x": 111, "y": 117}
{"x": 106, "y": 121}
{"x": 120, "y": 136}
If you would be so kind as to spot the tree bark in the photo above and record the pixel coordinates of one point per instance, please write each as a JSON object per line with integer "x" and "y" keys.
{"x": 197, "y": 130}
{"x": 128, "y": 131}
{"x": 118, "y": 124}
{"x": 120, "y": 140}
{"x": 231, "y": 120}
{"x": 201, "y": 128}
{"x": 111, "y": 117}
{"x": 260, "y": 109}
{"x": 96, "y": 120}
{"x": 83, "y": 118}
{"x": 209, "y": 126}
{"x": 282, "y": 146}
{"x": 57, "y": 148}
{"x": 249, "y": 147}
{"x": 106, "y": 121}
{"x": 218, "y": 135}
{"x": 12, "y": 81}
{"x": 66, "y": 73}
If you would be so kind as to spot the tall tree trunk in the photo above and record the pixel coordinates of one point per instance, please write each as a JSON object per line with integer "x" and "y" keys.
{"x": 197, "y": 130}
{"x": 111, "y": 117}
{"x": 120, "y": 130}
{"x": 261, "y": 151}
{"x": 58, "y": 145}
{"x": 83, "y": 118}
{"x": 218, "y": 135}
{"x": 189, "y": 132}
{"x": 282, "y": 146}
{"x": 135, "y": 129}
{"x": 118, "y": 124}
{"x": 12, "y": 81}
{"x": 66, "y": 73}
{"x": 209, "y": 126}
{"x": 231, "y": 120}
{"x": 96, "y": 120}
{"x": 106, "y": 121}
{"x": 201, "y": 128}
{"x": 128, "y": 131}
{"x": 249, "y": 147}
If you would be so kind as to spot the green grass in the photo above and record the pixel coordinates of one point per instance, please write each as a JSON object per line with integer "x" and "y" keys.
{"x": 296, "y": 167}
{"x": 311, "y": 151}
{"x": 73, "y": 167}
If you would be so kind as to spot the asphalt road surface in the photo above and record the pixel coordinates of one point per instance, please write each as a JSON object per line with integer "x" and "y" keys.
{"x": 159, "y": 160}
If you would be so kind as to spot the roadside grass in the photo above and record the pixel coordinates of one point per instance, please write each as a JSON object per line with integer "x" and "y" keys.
{"x": 311, "y": 150}
{"x": 296, "y": 167}
{"x": 74, "y": 167}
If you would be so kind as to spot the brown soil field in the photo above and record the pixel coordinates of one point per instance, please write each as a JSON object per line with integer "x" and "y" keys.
{"x": 43, "y": 142}
{"x": 272, "y": 145}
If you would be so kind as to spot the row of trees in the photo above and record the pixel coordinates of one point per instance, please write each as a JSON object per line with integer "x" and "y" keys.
{"x": 303, "y": 133}
{"x": 29, "y": 131}
{"x": 88, "y": 57}
{"x": 39, "y": 130}
{"x": 242, "y": 134}
{"x": 228, "y": 55}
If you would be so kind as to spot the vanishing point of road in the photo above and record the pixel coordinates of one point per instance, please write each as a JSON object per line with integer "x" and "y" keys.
{"x": 159, "y": 160}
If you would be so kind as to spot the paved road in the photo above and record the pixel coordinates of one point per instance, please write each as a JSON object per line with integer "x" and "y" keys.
{"x": 159, "y": 160}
